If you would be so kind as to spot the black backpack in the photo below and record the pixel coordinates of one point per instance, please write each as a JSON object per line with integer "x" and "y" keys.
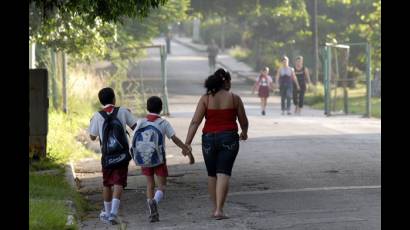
{"x": 114, "y": 143}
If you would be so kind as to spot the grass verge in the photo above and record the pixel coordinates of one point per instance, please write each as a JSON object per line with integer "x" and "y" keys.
{"x": 357, "y": 100}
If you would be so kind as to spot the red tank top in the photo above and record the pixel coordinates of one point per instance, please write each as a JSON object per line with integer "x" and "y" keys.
{"x": 220, "y": 120}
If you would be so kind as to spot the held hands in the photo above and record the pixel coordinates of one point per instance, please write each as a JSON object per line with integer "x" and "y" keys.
{"x": 187, "y": 151}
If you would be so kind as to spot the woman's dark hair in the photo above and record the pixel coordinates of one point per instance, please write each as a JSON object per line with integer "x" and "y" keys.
{"x": 106, "y": 96}
{"x": 216, "y": 81}
{"x": 154, "y": 105}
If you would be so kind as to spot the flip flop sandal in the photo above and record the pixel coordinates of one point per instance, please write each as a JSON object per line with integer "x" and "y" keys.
{"x": 221, "y": 217}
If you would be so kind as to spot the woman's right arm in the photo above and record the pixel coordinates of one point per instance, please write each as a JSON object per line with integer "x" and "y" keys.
{"x": 255, "y": 85}
{"x": 196, "y": 120}
{"x": 243, "y": 120}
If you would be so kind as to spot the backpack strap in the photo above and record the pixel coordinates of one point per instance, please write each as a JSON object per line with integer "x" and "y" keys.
{"x": 103, "y": 114}
{"x": 115, "y": 112}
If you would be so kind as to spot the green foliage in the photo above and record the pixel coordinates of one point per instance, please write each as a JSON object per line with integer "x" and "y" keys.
{"x": 273, "y": 28}
{"x": 108, "y": 11}
{"x": 69, "y": 33}
{"x": 239, "y": 53}
{"x": 213, "y": 29}
{"x": 93, "y": 32}
{"x": 62, "y": 145}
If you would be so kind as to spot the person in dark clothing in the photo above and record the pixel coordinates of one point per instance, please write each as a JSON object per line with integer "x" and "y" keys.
{"x": 212, "y": 53}
{"x": 168, "y": 41}
{"x": 302, "y": 75}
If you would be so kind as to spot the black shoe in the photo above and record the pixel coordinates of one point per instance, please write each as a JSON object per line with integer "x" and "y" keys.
{"x": 154, "y": 218}
{"x": 263, "y": 113}
{"x": 153, "y": 211}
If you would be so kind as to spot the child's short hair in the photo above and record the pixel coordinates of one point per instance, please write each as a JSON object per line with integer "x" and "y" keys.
{"x": 106, "y": 96}
{"x": 154, "y": 105}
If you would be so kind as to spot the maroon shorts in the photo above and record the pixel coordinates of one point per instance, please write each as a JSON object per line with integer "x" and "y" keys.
{"x": 160, "y": 170}
{"x": 115, "y": 177}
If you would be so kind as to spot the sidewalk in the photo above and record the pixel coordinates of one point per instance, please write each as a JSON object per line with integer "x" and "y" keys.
{"x": 238, "y": 68}
{"x": 294, "y": 172}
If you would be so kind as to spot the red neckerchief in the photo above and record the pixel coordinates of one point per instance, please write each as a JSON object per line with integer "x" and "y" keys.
{"x": 108, "y": 108}
{"x": 152, "y": 117}
{"x": 260, "y": 78}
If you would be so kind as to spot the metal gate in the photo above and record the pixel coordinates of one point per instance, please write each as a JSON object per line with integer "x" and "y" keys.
{"x": 336, "y": 78}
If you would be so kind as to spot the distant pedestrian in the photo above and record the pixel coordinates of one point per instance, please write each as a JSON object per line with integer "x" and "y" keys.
{"x": 263, "y": 85}
{"x": 213, "y": 51}
{"x": 168, "y": 38}
{"x": 302, "y": 75}
{"x": 284, "y": 78}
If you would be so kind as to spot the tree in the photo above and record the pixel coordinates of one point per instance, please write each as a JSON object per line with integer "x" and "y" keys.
{"x": 269, "y": 28}
{"x": 107, "y": 11}
{"x": 83, "y": 28}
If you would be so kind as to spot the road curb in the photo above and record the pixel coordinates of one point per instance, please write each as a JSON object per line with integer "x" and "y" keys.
{"x": 72, "y": 218}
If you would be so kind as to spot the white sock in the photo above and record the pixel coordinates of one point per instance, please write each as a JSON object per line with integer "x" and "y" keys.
{"x": 158, "y": 196}
{"x": 115, "y": 206}
{"x": 107, "y": 206}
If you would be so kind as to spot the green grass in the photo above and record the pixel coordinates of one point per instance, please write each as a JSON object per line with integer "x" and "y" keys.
{"x": 46, "y": 214}
{"x": 48, "y": 195}
{"x": 357, "y": 100}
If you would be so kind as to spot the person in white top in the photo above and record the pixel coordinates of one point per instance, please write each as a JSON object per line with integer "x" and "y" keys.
{"x": 263, "y": 84}
{"x": 112, "y": 177}
{"x": 154, "y": 107}
{"x": 284, "y": 78}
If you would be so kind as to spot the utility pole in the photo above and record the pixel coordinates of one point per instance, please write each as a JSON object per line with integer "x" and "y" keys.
{"x": 316, "y": 43}
{"x": 64, "y": 75}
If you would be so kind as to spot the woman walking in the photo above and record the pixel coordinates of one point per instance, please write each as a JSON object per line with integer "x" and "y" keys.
{"x": 284, "y": 77}
{"x": 220, "y": 139}
{"x": 302, "y": 76}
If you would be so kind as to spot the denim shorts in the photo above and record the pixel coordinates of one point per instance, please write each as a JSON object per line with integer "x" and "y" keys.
{"x": 220, "y": 151}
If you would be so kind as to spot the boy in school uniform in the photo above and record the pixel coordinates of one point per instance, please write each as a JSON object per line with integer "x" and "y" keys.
{"x": 115, "y": 177}
{"x": 154, "y": 107}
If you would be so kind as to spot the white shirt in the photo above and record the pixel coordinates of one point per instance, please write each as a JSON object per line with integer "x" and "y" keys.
{"x": 164, "y": 126}
{"x": 264, "y": 81}
{"x": 286, "y": 71}
{"x": 97, "y": 121}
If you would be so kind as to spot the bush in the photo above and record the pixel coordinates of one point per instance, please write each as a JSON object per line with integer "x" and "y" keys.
{"x": 315, "y": 94}
{"x": 212, "y": 29}
{"x": 239, "y": 53}
{"x": 62, "y": 145}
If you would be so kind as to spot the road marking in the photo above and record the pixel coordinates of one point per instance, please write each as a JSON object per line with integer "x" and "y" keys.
{"x": 302, "y": 190}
